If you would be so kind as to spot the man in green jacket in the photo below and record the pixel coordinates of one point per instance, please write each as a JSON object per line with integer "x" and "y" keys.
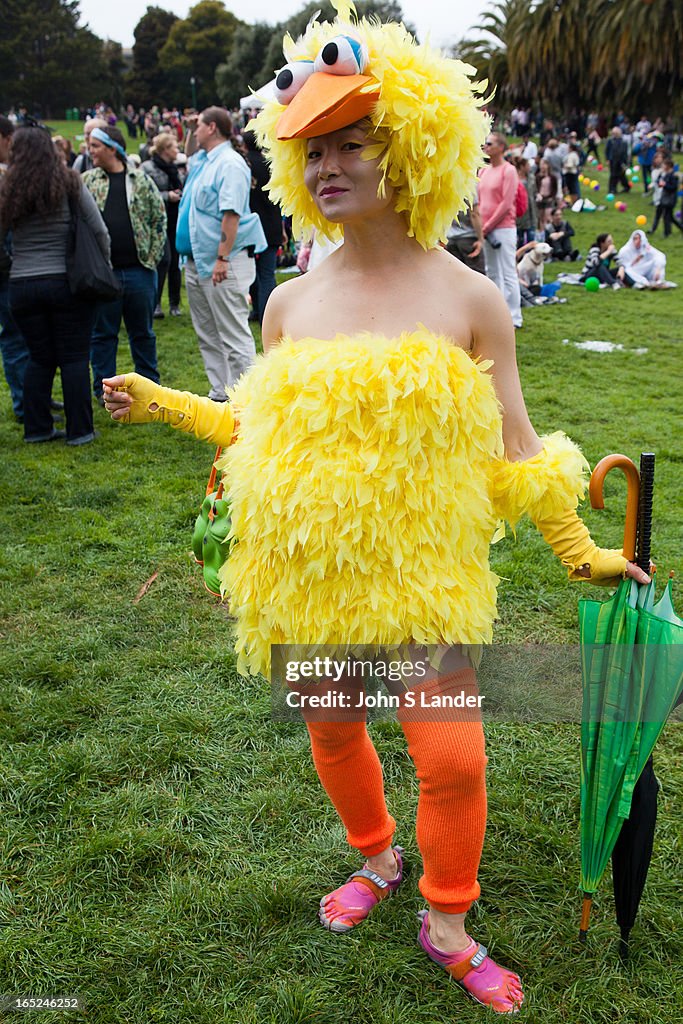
{"x": 134, "y": 213}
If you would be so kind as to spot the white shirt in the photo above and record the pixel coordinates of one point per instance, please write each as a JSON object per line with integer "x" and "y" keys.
{"x": 530, "y": 152}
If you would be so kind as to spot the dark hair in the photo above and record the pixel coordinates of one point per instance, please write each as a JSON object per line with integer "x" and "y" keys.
{"x": 601, "y": 238}
{"x": 116, "y": 136}
{"x": 36, "y": 180}
{"x": 558, "y": 209}
{"x": 6, "y": 126}
{"x": 250, "y": 140}
{"x": 220, "y": 117}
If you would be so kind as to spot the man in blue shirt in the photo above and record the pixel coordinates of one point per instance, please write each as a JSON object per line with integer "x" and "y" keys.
{"x": 219, "y": 235}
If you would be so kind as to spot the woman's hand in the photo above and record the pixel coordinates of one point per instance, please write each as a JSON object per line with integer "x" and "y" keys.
{"x": 131, "y": 398}
{"x": 634, "y": 572}
{"x": 631, "y": 572}
{"x": 117, "y": 403}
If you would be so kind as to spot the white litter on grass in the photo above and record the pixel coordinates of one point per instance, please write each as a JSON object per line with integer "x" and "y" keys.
{"x": 603, "y": 346}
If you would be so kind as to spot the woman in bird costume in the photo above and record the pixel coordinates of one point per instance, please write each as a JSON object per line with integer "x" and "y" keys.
{"x": 382, "y": 438}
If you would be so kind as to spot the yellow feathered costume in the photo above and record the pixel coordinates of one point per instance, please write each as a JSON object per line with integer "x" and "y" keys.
{"x": 368, "y": 476}
{"x": 366, "y": 485}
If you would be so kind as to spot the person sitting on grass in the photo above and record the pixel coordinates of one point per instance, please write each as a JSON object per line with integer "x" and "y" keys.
{"x": 558, "y": 235}
{"x": 598, "y": 259}
{"x": 380, "y": 439}
{"x": 644, "y": 265}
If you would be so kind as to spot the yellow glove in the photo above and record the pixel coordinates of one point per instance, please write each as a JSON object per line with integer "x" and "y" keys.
{"x": 206, "y": 419}
{"x": 569, "y": 538}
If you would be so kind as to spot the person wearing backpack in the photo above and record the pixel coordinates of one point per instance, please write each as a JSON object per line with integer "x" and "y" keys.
{"x": 498, "y": 202}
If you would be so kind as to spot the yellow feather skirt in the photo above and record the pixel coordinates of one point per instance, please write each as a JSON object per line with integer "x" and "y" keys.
{"x": 366, "y": 485}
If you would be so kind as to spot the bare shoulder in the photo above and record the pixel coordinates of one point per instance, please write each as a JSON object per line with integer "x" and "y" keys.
{"x": 468, "y": 298}
{"x": 457, "y": 279}
{"x": 280, "y": 303}
{"x": 472, "y": 286}
{"x": 288, "y": 291}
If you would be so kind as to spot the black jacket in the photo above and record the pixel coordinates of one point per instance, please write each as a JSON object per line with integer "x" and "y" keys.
{"x": 268, "y": 212}
{"x": 669, "y": 185}
{"x": 616, "y": 151}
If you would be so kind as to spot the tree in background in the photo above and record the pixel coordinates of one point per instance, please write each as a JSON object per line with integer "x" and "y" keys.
{"x": 257, "y": 49}
{"x": 491, "y": 50}
{"x": 573, "y": 54}
{"x": 195, "y": 47}
{"x": 147, "y": 83}
{"x": 244, "y": 67}
{"x": 112, "y": 68}
{"x": 47, "y": 61}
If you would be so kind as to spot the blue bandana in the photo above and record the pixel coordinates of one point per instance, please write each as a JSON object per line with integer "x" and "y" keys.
{"x": 101, "y": 136}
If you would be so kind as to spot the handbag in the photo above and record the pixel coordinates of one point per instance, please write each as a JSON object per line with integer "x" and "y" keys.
{"x": 89, "y": 273}
{"x": 210, "y": 542}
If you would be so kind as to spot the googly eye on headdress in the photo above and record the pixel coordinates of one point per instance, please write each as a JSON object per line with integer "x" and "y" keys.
{"x": 343, "y": 55}
{"x": 290, "y": 79}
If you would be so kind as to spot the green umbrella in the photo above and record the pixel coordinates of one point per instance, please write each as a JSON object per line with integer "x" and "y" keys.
{"x": 632, "y": 665}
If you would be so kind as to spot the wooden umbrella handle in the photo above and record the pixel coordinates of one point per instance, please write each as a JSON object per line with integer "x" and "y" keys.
{"x": 214, "y": 472}
{"x": 595, "y": 490}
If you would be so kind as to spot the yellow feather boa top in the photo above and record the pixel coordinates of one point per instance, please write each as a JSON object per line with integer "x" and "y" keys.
{"x": 366, "y": 485}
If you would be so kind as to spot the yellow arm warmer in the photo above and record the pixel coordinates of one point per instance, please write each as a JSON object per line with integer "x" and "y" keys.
{"x": 548, "y": 488}
{"x": 569, "y": 538}
{"x": 206, "y": 419}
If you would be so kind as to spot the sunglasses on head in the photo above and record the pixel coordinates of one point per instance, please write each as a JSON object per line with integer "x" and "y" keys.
{"x": 31, "y": 122}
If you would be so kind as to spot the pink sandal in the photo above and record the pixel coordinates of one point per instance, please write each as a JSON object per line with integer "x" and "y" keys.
{"x": 474, "y": 970}
{"x": 347, "y": 906}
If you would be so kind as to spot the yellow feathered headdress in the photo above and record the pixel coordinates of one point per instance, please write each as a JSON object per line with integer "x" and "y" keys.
{"x": 425, "y": 109}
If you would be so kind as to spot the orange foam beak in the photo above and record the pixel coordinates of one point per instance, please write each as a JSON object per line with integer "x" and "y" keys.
{"x": 326, "y": 103}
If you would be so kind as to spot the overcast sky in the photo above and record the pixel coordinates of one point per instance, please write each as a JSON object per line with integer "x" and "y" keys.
{"x": 445, "y": 20}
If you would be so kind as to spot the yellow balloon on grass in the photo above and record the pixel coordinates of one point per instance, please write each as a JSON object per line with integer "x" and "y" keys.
{"x": 593, "y": 184}
{"x": 641, "y": 221}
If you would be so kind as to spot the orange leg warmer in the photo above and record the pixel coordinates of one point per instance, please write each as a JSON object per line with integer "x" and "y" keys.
{"x": 451, "y": 816}
{"x": 348, "y": 767}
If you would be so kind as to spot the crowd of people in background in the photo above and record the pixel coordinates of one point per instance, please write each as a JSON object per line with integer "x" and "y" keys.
{"x": 183, "y": 188}
{"x": 520, "y": 218}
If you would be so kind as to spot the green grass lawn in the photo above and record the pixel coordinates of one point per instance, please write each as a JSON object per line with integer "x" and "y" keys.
{"x": 164, "y": 843}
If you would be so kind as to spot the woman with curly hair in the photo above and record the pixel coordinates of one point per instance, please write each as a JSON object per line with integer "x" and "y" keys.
{"x": 36, "y": 197}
